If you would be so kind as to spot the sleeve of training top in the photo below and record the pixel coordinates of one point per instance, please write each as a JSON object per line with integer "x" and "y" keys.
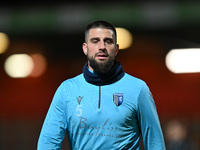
{"x": 54, "y": 127}
{"x": 149, "y": 122}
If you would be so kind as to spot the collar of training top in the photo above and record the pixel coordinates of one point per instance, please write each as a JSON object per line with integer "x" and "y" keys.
{"x": 114, "y": 75}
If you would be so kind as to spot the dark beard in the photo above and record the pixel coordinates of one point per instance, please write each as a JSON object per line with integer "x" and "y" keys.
{"x": 101, "y": 67}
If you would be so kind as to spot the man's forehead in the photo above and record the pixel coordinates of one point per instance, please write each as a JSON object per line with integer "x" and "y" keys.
{"x": 101, "y": 32}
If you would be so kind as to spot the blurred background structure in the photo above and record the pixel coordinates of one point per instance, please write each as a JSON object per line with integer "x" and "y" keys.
{"x": 47, "y": 36}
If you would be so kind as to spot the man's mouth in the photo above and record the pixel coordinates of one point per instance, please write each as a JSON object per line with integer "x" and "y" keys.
{"x": 102, "y": 56}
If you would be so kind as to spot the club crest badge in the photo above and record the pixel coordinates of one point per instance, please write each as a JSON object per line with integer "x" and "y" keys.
{"x": 118, "y": 98}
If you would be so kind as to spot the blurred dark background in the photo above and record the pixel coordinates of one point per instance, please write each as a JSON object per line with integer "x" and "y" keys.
{"x": 55, "y": 29}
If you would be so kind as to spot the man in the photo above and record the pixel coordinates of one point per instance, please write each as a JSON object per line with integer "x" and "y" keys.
{"x": 103, "y": 108}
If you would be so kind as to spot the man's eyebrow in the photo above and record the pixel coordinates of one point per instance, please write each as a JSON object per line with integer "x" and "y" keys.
{"x": 105, "y": 39}
{"x": 94, "y": 38}
{"x": 111, "y": 39}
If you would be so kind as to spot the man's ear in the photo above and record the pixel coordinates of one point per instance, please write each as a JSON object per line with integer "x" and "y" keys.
{"x": 116, "y": 49}
{"x": 84, "y": 48}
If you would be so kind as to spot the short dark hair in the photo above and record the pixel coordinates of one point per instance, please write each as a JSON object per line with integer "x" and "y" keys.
{"x": 100, "y": 24}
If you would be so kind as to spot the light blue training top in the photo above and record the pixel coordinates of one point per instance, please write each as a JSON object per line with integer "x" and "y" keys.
{"x": 109, "y": 117}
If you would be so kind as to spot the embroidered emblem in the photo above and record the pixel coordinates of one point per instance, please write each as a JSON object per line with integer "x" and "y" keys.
{"x": 79, "y": 99}
{"x": 118, "y": 98}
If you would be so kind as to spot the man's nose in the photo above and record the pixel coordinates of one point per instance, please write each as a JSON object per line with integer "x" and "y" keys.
{"x": 102, "y": 45}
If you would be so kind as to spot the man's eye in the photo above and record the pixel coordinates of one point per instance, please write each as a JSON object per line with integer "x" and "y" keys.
{"x": 94, "y": 41}
{"x": 109, "y": 42}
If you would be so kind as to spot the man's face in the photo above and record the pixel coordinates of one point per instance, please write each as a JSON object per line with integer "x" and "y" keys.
{"x": 101, "y": 49}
